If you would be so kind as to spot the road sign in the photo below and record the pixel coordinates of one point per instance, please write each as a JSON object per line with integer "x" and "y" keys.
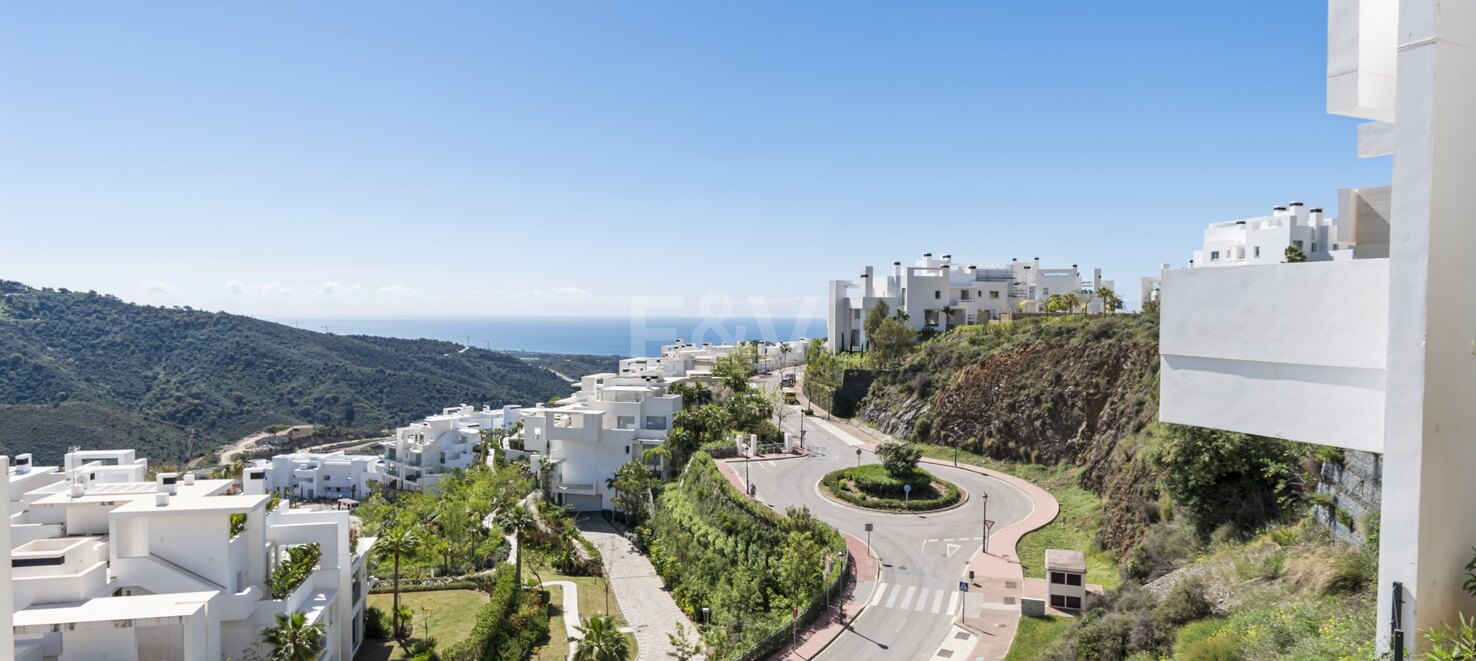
{"x": 868, "y": 527}
{"x": 988, "y": 524}
{"x": 963, "y": 586}
{"x": 907, "y": 488}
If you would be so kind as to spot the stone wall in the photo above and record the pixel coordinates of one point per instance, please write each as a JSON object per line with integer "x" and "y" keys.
{"x": 1354, "y": 486}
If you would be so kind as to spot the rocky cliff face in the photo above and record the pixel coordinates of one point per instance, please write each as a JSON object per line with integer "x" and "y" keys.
{"x": 1076, "y": 392}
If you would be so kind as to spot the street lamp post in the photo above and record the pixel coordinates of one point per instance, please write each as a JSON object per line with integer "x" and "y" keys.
{"x": 985, "y": 498}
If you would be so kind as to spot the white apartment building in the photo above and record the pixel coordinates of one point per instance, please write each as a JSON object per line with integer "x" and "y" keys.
{"x": 1265, "y": 240}
{"x": 612, "y": 419}
{"x": 687, "y": 360}
{"x": 108, "y": 565}
{"x": 422, "y": 452}
{"x": 1376, "y": 353}
{"x": 322, "y": 476}
{"x": 937, "y": 294}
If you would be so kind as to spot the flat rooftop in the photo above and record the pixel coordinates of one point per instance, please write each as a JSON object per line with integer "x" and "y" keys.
{"x": 1067, "y": 561}
{"x": 113, "y": 612}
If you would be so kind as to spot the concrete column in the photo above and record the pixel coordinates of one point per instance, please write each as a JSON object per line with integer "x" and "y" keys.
{"x": 1430, "y": 423}
{"x": 7, "y": 599}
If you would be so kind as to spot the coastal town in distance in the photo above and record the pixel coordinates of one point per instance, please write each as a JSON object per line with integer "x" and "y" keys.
{"x": 651, "y": 331}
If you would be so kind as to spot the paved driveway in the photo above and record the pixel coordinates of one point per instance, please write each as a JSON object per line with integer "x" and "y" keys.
{"x": 643, "y": 598}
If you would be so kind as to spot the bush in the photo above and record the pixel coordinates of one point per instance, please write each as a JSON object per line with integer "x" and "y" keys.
{"x": 1221, "y": 477}
{"x": 508, "y": 626}
{"x": 1221, "y": 647}
{"x": 900, "y": 459}
{"x": 376, "y": 624}
{"x": 1186, "y": 602}
{"x": 1166, "y": 547}
{"x": 873, "y": 487}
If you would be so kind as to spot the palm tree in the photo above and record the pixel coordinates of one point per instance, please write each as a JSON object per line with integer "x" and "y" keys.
{"x": 397, "y": 543}
{"x": 947, "y": 316}
{"x": 1110, "y": 301}
{"x": 516, "y": 521}
{"x": 784, "y": 350}
{"x": 293, "y": 639}
{"x": 1071, "y": 300}
{"x": 901, "y": 315}
{"x": 602, "y": 641}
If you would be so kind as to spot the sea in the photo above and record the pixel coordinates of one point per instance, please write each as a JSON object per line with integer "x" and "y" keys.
{"x": 623, "y": 336}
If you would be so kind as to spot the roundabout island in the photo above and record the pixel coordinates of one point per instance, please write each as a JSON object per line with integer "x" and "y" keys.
{"x": 897, "y": 484}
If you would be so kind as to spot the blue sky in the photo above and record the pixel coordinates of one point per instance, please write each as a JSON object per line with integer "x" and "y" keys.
{"x": 549, "y": 158}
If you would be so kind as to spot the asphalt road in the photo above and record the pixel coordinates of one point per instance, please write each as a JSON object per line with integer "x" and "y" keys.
{"x": 923, "y": 556}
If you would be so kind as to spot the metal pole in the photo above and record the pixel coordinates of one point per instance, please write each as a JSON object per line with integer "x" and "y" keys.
{"x": 985, "y": 522}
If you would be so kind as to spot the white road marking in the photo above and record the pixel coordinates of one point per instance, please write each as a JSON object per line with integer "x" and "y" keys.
{"x": 907, "y": 598}
{"x": 937, "y": 602}
{"x": 893, "y": 599}
{"x": 922, "y": 600}
{"x": 876, "y": 598}
{"x": 952, "y": 602}
{"x": 952, "y": 549}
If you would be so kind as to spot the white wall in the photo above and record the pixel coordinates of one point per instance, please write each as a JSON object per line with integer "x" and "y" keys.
{"x": 1293, "y": 351}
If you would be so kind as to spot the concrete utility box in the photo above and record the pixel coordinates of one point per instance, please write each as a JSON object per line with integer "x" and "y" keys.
{"x": 1066, "y": 578}
{"x": 1032, "y": 607}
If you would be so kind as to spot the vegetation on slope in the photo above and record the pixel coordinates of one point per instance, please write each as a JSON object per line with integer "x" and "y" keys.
{"x": 179, "y": 382}
{"x": 744, "y": 562}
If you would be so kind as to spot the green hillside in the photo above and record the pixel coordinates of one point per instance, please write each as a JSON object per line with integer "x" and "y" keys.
{"x": 90, "y": 370}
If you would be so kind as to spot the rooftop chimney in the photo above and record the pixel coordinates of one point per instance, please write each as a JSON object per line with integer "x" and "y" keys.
{"x": 167, "y": 482}
{"x": 253, "y": 481}
{"x": 22, "y": 463}
{"x": 161, "y": 499}
{"x": 189, "y": 478}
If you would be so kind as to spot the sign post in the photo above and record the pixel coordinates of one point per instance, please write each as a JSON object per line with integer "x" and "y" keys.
{"x": 907, "y": 493}
{"x": 868, "y": 538}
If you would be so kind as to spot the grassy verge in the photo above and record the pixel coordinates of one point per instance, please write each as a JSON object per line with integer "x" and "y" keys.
{"x": 451, "y": 613}
{"x": 1074, "y": 528}
{"x": 591, "y": 603}
{"x": 1035, "y": 635}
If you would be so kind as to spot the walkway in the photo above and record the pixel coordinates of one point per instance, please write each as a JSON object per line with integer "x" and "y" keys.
{"x": 648, "y": 607}
{"x": 571, "y": 612}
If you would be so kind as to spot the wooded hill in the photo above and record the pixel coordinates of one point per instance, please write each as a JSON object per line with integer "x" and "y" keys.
{"x": 90, "y": 370}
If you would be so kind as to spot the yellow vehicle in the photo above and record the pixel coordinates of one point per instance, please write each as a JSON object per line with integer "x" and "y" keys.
{"x": 789, "y": 397}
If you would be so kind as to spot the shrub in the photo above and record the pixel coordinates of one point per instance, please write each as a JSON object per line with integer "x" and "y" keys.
{"x": 1105, "y": 638}
{"x": 1186, "y": 602}
{"x": 900, "y": 459}
{"x": 1335, "y": 570}
{"x": 291, "y": 571}
{"x": 1221, "y": 477}
{"x": 1453, "y": 643}
{"x": 1166, "y": 547}
{"x": 376, "y": 623}
{"x": 1221, "y": 647}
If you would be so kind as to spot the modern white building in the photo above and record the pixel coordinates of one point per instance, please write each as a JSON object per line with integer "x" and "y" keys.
{"x": 106, "y": 564}
{"x": 1375, "y": 353}
{"x": 1265, "y": 240}
{"x": 422, "y": 452}
{"x": 937, "y": 294}
{"x": 322, "y": 476}
{"x": 612, "y": 419}
{"x": 686, "y": 360}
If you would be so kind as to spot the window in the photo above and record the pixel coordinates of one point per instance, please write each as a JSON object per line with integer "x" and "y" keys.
{"x": 625, "y": 422}
{"x": 1214, "y": 256}
{"x": 655, "y": 422}
{"x": 1298, "y": 244}
{"x": 1065, "y": 603}
{"x": 1073, "y": 579}
{"x": 966, "y": 295}
{"x": 937, "y": 295}
{"x": 1058, "y": 578}
{"x": 1258, "y": 251}
{"x": 994, "y": 295}
{"x": 1314, "y": 246}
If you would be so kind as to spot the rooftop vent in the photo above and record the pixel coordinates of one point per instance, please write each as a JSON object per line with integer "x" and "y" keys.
{"x": 22, "y": 463}
{"x": 1316, "y": 210}
{"x": 1296, "y": 204}
{"x": 161, "y": 499}
{"x": 1279, "y": 209}
{"x": 1239, "y": 222}
{"x": 927, "y": 254}
{"x": 166, "y": 482}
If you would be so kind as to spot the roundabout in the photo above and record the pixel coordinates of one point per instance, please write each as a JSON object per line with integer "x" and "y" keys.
{"x": 872, "y": 487}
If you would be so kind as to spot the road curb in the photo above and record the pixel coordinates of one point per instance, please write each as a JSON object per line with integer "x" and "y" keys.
{"x": 865, "y": 602}
{"x": 857, "y": 508}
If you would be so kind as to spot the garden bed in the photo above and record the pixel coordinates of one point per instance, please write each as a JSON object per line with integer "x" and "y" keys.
{"x": 872, "y": 487}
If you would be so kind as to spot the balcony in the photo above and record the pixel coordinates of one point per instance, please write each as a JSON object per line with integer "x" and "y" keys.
{"x": 1292, "y": 351}
{"x": 586, "y": 488}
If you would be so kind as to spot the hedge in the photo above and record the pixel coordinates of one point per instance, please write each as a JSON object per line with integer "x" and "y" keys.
{"x": 874, "y": 479}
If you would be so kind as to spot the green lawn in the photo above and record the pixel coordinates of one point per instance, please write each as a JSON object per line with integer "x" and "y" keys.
{"x": 452, "y": 613}
{"x": 1075, "y": 527}
{"x": 1035, "y": 635}
{"x": 591, "y": 602}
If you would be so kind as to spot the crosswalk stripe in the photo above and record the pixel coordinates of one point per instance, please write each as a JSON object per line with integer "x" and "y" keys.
{"x": 893, "y": 599}
{"x": 952, "y": 602}
{"x": 876, "y": 598}
{"x": 937, "y": 602}
{"x": 907, "y": 598}
{"x": 922, "y": 600}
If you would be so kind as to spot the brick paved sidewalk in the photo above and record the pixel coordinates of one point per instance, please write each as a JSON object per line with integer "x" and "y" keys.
{"x": 643, "y": 598}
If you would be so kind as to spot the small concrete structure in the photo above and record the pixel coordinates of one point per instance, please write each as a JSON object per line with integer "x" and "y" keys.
{"x": 1032, "y": 607}
{"x": 1066, "y": 573}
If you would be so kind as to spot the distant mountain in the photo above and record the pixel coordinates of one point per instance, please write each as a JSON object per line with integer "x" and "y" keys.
{"x": 89, "y": 370}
